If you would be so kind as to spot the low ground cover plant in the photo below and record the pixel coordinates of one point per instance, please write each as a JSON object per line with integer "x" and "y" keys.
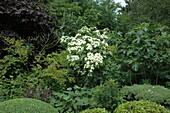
{"x": 73, "y": 100}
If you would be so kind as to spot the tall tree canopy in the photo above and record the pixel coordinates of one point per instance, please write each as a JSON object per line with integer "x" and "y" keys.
{"x": 152, "y": 11}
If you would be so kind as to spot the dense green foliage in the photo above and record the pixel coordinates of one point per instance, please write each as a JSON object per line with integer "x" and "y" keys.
{"x": 78, "y": 54}
{"x": 77, "y": 99}
{"x": 71, "y": 15}
{"x": 96, "y": 110}
{"x": 140, "y": 107}
{"x": 57, "y": 70}
{"x": 73, "y": 100}
{"x": 138, "y": 11}
{"x": 142, "y": 54}
{"x": 146, "y": 50}
{"x": 67, "y": 17}
{"x": 25, "y": 105}
{"x": 107, "y": 96}
{"x": 158, "y": 94}
{"x": 16, "y": 72}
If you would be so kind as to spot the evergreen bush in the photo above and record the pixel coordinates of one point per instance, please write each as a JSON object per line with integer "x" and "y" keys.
{"x": 26, "y": 105}
{"x": 158, "y": 94}
{"x": 140, "y": 107}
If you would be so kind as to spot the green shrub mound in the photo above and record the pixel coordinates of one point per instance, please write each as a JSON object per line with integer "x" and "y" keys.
{"x": 141, "y": 107}
{"x": 107, "y": 95}
{"x": 158, "y": 94}
{"x": 96, "y": 110}
{"x": 26, "y": 105}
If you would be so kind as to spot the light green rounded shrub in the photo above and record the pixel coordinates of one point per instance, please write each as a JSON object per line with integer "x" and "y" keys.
{"x": 154, "y": 93}
{"x": 26, "y": 105}
{"x": 140, "y": 107}
{"x": 96, "y": 110}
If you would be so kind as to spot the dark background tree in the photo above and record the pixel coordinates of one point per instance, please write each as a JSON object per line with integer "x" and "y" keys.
{"x": 23, "y": 17}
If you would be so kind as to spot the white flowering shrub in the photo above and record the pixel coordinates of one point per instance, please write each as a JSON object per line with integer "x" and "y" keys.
{"x": 87, "y": 50}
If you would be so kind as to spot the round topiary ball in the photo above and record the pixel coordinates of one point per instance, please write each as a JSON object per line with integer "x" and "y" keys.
{"x": 26, "y": 105}
{"x": 141, "y": 107}
{"x": 96, "y": 110}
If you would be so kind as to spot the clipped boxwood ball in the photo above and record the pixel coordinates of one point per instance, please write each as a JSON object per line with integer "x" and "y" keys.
{"x": 141, "y": 107}
{"x": 26, "y": 105}
{"x": 96, "y": 110}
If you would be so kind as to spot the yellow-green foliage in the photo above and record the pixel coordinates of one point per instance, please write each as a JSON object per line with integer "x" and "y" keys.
{"x": 17, "y": 72}
{"x": 17, "y": 57}
{"x": 17, "y": 47}
{"x": 57, "y": 68}
{"x": 140, "y": 107}
{"x": 15, "y": 69}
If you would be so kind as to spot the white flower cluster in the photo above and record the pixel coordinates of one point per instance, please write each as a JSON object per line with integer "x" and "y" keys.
{"x": 73, "y": 57}
{"x": 87, "y": 48}
{"x": 93, "y": 60}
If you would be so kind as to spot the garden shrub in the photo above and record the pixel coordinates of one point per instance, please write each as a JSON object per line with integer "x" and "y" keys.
{"x": 56, "y": 70}
{"x": 20, "y": 69}
{"x": 73, "y": 100}
{"x": 145, "y": 52}
{"x": 114, "y": 66}
{"x": 16, "y": 86}
{"x": 87, "y": 52}
{"x": 158, "y": 94}
{"x": 16, "y": 70}
{"x": 26, "y": 105}
{"x": 96, "y": 110}
{"x": 140, "y": 107}
{"x": 13, "y": 67}
{"x": 107, "y": 96}
{"x": 84, "y": 47}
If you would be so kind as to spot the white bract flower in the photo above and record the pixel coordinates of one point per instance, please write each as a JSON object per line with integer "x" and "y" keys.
{"x": 78, "y": 34}
{"x": 88, "y": 48}
{"x": 96, "y": 44}
{"x": 104, "y": 36}
{"x": 73, "y": 57}
{"x": 86, "y": 37}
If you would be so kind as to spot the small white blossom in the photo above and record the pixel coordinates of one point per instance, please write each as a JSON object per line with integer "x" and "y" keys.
{"x": 104, "y": 36}
{"x": 86, "y": 37}
{"x": 89, "y": 47}
{"x": 73, "y": 57}
{"x": 95, "y": 44}
{"x": 90, "y": 39}
{"x": 78, "y": 34}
